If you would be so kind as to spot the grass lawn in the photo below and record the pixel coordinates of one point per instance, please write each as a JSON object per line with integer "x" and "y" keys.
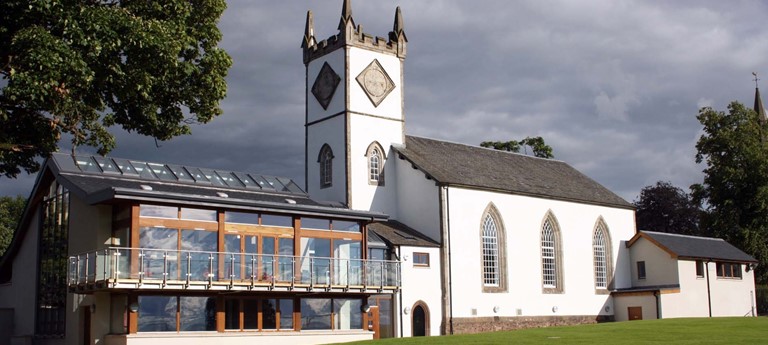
{"x": 742, "y": 330}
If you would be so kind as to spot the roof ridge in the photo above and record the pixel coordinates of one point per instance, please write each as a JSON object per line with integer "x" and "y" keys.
{"x": 681, "y": 235}
{"x": 487, "y": 148}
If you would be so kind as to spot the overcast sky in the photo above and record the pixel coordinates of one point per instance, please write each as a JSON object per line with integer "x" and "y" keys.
{"x": 612, "y": 86}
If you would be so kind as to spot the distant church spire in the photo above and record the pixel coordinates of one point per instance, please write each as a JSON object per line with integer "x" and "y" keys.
{"x": 309, "y": 31}
{"x": 346, "y": 15}
{"x": 759, "y": 109}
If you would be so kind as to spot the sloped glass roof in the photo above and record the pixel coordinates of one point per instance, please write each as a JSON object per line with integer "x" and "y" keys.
{"x": 179, "y": 173}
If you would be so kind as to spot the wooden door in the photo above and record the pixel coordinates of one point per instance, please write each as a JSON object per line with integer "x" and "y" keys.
{"x": 86, "y": 313}
{"x": 635, "y": 313}
{"x": 373, "y": 322}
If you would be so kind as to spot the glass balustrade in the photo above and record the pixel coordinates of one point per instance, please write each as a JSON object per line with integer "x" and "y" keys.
{"x": 195, "y": 267}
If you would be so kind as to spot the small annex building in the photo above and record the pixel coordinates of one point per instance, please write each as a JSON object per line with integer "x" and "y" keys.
{"x": 686, "y": 276}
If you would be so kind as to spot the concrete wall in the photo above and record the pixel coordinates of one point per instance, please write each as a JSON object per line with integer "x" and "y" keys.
{"x": 421, "y": 284}
{"x": 523, "y": 217}
{"x": 645, "y": 300}
{"x": 660, "y": 267}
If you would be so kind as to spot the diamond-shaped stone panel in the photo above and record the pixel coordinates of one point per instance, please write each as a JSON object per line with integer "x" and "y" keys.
{"x": 375, "y": 82}
{"x": 325, "y": 85}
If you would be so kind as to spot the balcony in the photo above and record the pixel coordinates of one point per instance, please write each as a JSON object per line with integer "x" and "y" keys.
{"x": 157, "y": 269}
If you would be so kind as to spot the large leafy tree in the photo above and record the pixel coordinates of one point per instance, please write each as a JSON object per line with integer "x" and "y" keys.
{"x": 77, "y": 67}
{"x": 735, "y": 188}
{"x": 666, "y": 208}
{"x": 537, "y": 145}
{"x": 10, "y": 214}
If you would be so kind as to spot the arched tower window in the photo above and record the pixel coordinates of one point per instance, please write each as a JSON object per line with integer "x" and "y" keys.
{"x": 376, "y": 159}
{"x": 602, "y": 255}
{"x": 493, "y": 256}
{"x": 551, "y": 256}
{"x": 326, "y": 166}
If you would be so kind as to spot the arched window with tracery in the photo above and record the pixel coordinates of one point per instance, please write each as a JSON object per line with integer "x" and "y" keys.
{"x": 603, "y": 260}
{"x": 376, "y": 159}
{"x": 493, "y": 258}
{"x": 325, "y": 158}
{"x": 551, "y": 256}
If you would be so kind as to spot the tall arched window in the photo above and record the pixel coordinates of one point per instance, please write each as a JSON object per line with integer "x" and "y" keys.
{"x": 493, "y": 258}
{"x": 376, "y": 159}
{"x": 601, "y": 250}
{"x": 326, "y": 166}
{"x": 551, "y": 256}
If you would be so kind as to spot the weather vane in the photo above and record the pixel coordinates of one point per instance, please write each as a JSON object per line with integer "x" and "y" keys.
{"x": 756, "y": 78}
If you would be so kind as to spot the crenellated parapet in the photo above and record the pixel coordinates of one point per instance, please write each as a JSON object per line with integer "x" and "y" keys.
{"x": 350, "y": 35}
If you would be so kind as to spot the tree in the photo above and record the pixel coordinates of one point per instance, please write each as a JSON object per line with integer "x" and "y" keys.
{"x": 735, "y": 187}
{"x": 537, "y": 145}
{"x": 10, "y": 214}
{"x": 77, "y": 67}
{"x": 666, "y": 208}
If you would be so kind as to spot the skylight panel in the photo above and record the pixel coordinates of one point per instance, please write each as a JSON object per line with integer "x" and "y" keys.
{"x": 143, "y": 169}
{"x": 213, "y": 177}
{"x": 198, "y": 175}
{"x": 261, "y": 182}
{"x": 290, "y": 185}
{"x": 125, "y": 167}
{"x": 87, "y": 164}
{"x": 181, "y": 173}
{"x": 275, "y": 184}
{"x": 107, "y": 165}
{"x": 162, "y": 171}
{"x": 230, "y": 179}
{"x": 247, "y": 181}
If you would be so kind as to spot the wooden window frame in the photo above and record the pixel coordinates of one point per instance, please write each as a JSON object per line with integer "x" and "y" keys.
{"x": 642, "y": 274}
{"x": 421, "y": 254}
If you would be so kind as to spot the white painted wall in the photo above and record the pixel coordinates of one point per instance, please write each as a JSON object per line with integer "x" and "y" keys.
{"x": 331, "y": 132}
{"x": 364, "y": 130}
{"x": 522, "y": 218}
{"x": 646, "y": 301}
{"x": 418, "y": 199}
{"x": 691, "y": 301}
{"x": 732, "y": 297}
{"x": 421, "y": 284}
{"x": 392, "y": 105}
{"x": 19, "y": 294}
{"x": 240, "y": 338}
{"x": 660, "y": 267}
{"x": 315, "y": 111}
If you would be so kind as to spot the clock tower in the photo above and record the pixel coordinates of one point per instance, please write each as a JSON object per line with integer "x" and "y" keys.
{"x": 354, "y": 113}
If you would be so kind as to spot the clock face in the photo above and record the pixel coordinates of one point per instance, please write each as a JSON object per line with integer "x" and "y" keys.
{"x": 375, "y": 82}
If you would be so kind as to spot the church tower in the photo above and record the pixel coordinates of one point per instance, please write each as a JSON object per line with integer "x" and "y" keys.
{"x": 354, "y": 112}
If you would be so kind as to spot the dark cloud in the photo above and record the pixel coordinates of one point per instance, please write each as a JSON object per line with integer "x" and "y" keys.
{"x": 614, "y": 87}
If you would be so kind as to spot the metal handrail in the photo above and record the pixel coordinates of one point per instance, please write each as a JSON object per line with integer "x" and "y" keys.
{"x": 190, "y": 267}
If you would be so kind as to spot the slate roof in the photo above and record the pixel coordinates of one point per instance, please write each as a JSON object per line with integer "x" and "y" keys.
{"x": 477, "y": 167}
{"x": 399, "y": 234}
{"x": 693, "y": 247}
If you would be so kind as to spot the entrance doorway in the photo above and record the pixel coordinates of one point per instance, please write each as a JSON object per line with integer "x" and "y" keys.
{"x": 420, "y": 320}
{"x": 635, "y": 313}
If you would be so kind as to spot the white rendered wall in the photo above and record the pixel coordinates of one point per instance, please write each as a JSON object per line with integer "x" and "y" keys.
{"x": 315, "y": 111}
{"x": 691, "y": 301}
{"x": 418, "y": 200}
{"x": 363, "y": 131}
{"x": 90, "y": 229}
{"x": 392, "y": 106}
{"x": 732, "y": 297}
{"x": 240, "y": 338}
{"x": 19, "y": 294}
{"x": 329, "y": 132}
{"x": 523, "y": 217}
{"x": 660, "y": 267}
{"x": 624, "y": 302}
{"x": 421, "y": 284}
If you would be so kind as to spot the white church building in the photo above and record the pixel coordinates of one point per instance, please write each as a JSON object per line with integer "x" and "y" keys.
{"x": 392, "y": 236}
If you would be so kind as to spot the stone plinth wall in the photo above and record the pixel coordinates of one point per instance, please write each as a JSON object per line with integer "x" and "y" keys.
{"x": 494, "y": 324}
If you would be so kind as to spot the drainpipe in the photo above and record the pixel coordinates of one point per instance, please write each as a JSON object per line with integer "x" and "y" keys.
{"x": 657, "y": 295}
{"x": 709, "y": 293}
{"x": 445, "y": 258}
{"x": 400, "y": 295}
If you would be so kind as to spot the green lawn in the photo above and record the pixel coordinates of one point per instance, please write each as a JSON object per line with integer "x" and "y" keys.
{"x": 743, "y": 330}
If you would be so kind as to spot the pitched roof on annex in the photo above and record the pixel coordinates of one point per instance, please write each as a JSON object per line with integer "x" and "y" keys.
{"x": 399, "y": 234}
{"x": 477, "y": 167}
{"x": 100, "y": 179}
{"x": 694, "y": 247}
